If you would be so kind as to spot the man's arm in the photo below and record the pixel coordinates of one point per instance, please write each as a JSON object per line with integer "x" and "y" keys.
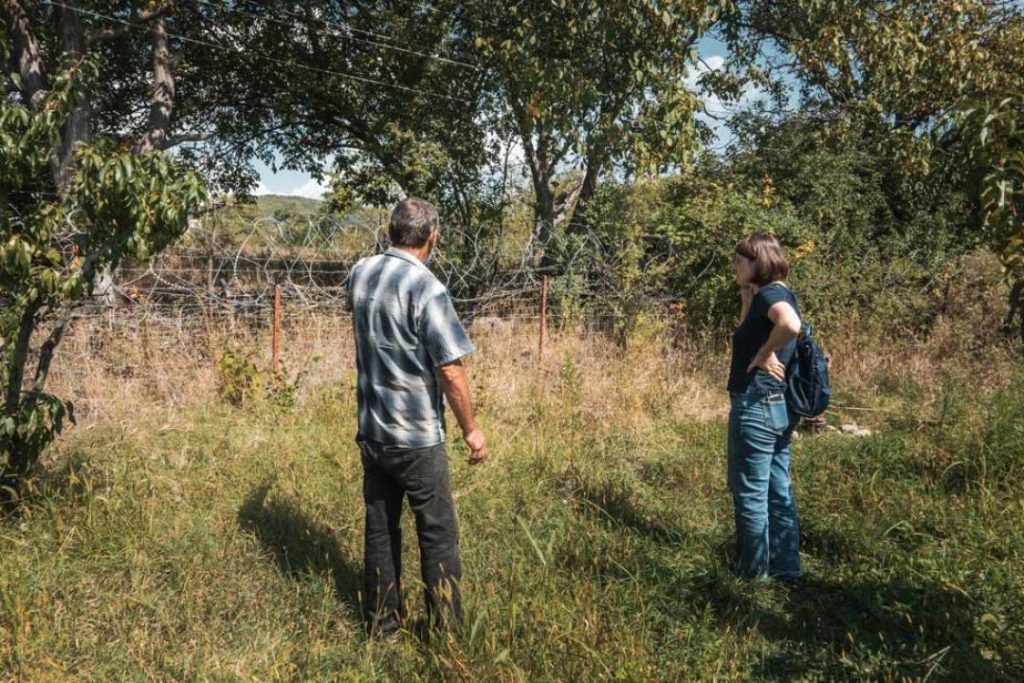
{"x": 455, "y": 385}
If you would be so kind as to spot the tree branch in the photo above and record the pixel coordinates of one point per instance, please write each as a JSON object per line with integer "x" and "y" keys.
{"x": 88, "y": 269}
{"x": 17, "y": 369}
{"x": 175, "y": 140}
{"x": 565, "y": 201}
{"x": 49, "y": 346}
{"x": 106, "y": 34}
{"x": 109, "y": 33}
{"x": 157, "y": 13}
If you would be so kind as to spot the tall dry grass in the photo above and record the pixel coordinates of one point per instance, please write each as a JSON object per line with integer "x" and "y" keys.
{"x": 116, "y": 364}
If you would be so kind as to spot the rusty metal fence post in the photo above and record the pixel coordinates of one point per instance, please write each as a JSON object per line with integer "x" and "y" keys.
{"x": 276, "y": 343}
{"x": 543, "y": 320}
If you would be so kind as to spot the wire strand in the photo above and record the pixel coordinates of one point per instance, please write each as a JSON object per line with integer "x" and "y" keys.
{"x": 343, "y": 29}
{"x": 268, "y": 58}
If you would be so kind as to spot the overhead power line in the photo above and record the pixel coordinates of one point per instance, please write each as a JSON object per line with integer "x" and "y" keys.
{"x": 338, "y": 29}
{"x": 273, "y": 60}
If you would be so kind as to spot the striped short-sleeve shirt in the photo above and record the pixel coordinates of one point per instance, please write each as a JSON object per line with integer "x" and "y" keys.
{"x": 405, "y": 327}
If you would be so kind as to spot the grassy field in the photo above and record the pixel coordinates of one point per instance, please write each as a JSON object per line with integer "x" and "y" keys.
{"x": 211, "y": 542}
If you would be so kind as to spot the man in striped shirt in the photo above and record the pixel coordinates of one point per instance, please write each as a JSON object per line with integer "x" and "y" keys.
{"x": 409, "y": 346}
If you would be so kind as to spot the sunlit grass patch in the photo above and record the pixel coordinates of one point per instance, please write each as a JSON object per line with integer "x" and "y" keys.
{"x": 225, "y": 543}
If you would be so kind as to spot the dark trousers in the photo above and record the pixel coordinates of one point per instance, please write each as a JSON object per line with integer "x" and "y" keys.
{"x": 422, "y": 474}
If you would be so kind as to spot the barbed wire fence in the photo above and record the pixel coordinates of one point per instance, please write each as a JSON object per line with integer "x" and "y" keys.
{"x": 274, "y": 291}
{"x": 238, "y": 276}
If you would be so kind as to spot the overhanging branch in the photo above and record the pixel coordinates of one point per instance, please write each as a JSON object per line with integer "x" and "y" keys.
{"x": 109, "y": 33}
{"x": 175, "y": 140}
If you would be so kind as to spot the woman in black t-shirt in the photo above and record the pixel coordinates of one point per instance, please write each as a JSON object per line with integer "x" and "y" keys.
{"x": 760, "y": 423}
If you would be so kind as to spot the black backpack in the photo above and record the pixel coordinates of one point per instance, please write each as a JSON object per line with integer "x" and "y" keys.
{"x": 807, "y": 384}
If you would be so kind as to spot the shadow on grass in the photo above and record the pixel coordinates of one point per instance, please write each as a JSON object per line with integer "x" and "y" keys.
{"x": 862, "y": 627}
{"x": 71, "y": 482}
{"x": 298, "y": 544}
{"x": 831, "y": 545}
{"x": 617, "y": 506}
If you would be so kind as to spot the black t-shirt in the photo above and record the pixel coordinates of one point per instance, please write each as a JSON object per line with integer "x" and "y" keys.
{"x": 751, "y": 335}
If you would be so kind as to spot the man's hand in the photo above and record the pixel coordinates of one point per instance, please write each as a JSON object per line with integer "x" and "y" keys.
{"x": 456, "y": 390}
{"x": 477, "y": 446}
{"x": 771, "y": 365}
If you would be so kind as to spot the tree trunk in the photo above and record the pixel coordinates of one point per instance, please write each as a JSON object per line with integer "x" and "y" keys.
{"x": 78, "y": 126}
{"x": 580, "y": 220}
{"x": 541, "y": 170}
{"x": 16, "y": 372}
{"x": 543, "y": 212}
{"x": 544, "y": 198}
{"x": 160, "y": 111}
{"x": 12, "y": 472}
{"x": 27, "y": 54}
{"x": 105, "y": 287}
{"x": 163, "y": 91}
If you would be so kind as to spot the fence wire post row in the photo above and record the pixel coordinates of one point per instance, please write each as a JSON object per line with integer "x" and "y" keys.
{"x": 231, "y": 275}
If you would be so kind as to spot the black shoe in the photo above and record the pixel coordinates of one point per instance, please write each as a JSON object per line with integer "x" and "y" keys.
{"x": 385, "y": 628}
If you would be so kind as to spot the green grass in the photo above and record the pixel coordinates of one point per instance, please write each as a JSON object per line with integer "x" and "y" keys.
{"x": 225, "y": 544}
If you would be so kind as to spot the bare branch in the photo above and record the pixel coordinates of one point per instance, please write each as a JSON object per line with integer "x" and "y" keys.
{"x": 157, "y": 13}
{"x": 114, "y": 32}
{"x": 107, "y": 34}
{"x": 49, "y": 346}
{"x": 175, "y": 140}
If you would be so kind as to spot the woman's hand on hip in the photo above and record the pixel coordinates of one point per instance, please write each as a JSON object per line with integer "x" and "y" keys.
{"x": 769, "y": 364}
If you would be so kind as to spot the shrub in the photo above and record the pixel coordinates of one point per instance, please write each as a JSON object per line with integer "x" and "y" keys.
{"x": 240, "y": 382}
{"x": 988, "y": 451}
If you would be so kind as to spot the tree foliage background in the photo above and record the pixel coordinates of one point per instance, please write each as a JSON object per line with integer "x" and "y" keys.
{"x": 883, "y": 147}
{"x": 76, "y": 198}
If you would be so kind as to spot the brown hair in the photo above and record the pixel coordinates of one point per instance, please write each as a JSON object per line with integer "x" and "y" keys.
{"x": 770, "y": 262}
{"x": 412, "y": 221}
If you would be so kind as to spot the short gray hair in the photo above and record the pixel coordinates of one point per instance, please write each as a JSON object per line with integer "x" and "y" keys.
{"x": 412, "y": 221}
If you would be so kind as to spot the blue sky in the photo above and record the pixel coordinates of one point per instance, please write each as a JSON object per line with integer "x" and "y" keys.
{"x": 287, "y": 182}
{"x": 297, "y": 183}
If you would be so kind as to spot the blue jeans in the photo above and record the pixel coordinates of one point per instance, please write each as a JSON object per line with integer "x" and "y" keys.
{"x": 767, "y": 528}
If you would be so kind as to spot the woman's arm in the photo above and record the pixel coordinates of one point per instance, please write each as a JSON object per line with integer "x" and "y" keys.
{"x": 786, "y": 328}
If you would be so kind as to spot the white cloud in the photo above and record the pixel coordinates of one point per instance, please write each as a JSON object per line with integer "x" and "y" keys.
{"x": 718, "y": 111}
{"x": 712, "y": 102}
{"x": 312, "y": 189}
{"x": 261, "y": 188}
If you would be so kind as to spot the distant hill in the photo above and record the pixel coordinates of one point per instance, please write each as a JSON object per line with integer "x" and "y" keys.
{"x": 285, "y": 221}
{"x": 267, "y": 204}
